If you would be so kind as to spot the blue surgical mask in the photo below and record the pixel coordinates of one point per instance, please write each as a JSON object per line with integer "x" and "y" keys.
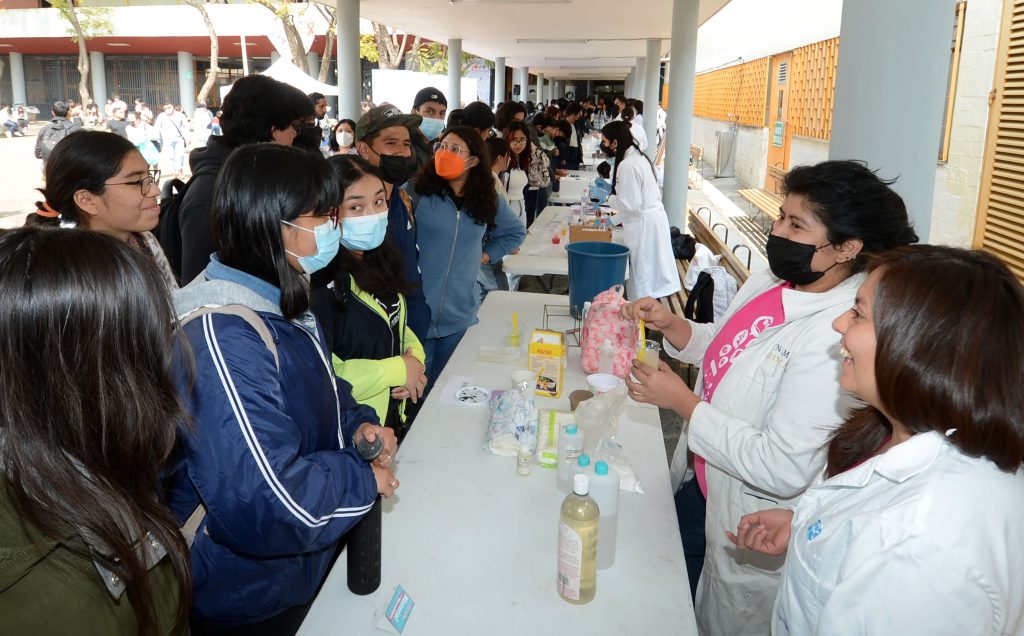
{"x": 328, "y": 239}
{"x": 363, "y": 233}
{"x": 431, "y": 128}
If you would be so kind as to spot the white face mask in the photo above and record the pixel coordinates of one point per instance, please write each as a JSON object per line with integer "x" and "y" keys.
{"x": 345, "y": 138}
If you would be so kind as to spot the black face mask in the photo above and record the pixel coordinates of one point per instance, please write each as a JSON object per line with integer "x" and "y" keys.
{"x": 608, "y": 152}
{"x": 396, "y": 170}
{"x": 791, "y": 261}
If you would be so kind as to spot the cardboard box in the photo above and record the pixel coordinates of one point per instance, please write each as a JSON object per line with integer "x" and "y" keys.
{"x": 547, "y": 360}
{"x": 580, "y": 233}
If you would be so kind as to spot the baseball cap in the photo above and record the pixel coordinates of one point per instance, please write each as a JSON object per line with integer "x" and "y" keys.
{"x": 384, "y": 116}
{"x": 429, "y": 94}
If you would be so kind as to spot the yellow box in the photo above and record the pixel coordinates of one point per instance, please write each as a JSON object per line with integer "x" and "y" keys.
{"x": 547, "y": 360}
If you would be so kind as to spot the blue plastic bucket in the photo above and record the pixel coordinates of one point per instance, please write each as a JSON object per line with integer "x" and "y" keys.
{"x": 593, "y": 268}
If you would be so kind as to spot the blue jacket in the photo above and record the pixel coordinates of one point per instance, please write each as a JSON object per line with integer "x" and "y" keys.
{"x": 451, "y": 244}
{"x": 270, "y": 453}
{"x": 402, "y": 230}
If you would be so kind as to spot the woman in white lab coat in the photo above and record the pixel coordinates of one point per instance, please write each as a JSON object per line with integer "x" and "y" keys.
{"x": 636, "y": 127}
{"x": 637, "y": 198}
{"x": 915, "y": 525}
{"x": 768, "y": 395}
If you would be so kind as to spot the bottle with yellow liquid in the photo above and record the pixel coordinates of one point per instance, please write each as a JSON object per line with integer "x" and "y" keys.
{"x": 577, "y": 544}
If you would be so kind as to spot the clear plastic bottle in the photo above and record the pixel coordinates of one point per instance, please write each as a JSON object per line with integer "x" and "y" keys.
{"x": 583, "y": 467}
{"x": 577, "y": 545}
{"x": 604, "y": 488}
{"x": 570, "y": 445}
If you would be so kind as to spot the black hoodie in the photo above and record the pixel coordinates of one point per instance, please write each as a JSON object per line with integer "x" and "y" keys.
{"x": 195, "y": 221}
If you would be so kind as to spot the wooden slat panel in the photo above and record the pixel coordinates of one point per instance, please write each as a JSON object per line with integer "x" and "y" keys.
{"x": 1000, "y": 225}
{"x": 737, "y": 93}
{"x": 813, "y": 89}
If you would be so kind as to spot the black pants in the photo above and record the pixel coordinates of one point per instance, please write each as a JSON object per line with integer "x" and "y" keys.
{"x": 284, "y": 624}
{"x": 536, "y": 201}
{"x": 691, "y": 509}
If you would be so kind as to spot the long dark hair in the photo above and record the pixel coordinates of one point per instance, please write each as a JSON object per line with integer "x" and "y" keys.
{"x": 852, "y": 202}
{"x": 260, "y": 186}
{"x": 89, "y": 409}
{"x": 480, "y": 197}
{"x": 335, "y": 146}
{"x": 949, "y": 354}
{"x": 380, "y": 270}
{"x": 83, "y": 160}
{"x": 522, "y": 161}
{"x": 506, "y": 114}
{"x": 619, "y": 131}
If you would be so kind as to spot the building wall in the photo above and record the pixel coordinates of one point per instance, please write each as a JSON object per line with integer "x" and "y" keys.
{"x": 703, "y": 134}
{"x": 804, "y": 151}
{"x": 957, "y": 182}
{"x": 751, "y": 156}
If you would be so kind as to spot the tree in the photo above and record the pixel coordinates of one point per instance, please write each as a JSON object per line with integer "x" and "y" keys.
{"x": 390, "y": 49}
{"x": 368, "y": 48}
{"x": 330, "y": 36}
{"x": 211, "y": 76}
{"x": 281, "y": 9}
{"x": 85, "y": 24}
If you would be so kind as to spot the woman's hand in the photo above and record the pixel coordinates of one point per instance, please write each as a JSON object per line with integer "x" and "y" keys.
{"x": 415, "y": 378}
{"x": 485, "y": 258}
{"x": 369, "y": 432}
{"x": 648, "y": 309}
{"x": 661, "y": 386}
{"x": 387, "y": 483}
{"x": 764, "y": 531}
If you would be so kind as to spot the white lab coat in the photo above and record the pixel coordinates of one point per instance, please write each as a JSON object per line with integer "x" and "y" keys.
{"x": 645, "y": 231}
{"x": 919, "y": 540}
{"x": 762, "y": 435}
{"x": 637, "y": 130}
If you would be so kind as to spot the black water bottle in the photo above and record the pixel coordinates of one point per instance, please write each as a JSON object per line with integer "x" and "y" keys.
{"x": 364, "y": 545}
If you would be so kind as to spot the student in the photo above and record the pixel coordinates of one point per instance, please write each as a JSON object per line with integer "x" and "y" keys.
{"x": 384, "y": 139}
{"x": 498, "y": 151}
{"x": 540, "y": 174}
{"x": 572, "y": 115}
{"x": 478, "y": 115}
{"x": 58, "y": 128}
{"x": 914, "y": 526}
{"x": 507, "y": 113}
{"x": 88, "y": 413}
{"x": 99, "y": 181}
{"x": 431, "y": 105}
{"x": 767, "y": 398}
{"x": 637, "y": 198}
{"x": 456, "y": 204}
{"x": 364, "y": 313}
{"x": 343, "y": 138}
{"x": 627, "y": 115}
{"x": 519, "y": 158}
{"x": 560, "y": 132}
{"x": 269, "y": 464}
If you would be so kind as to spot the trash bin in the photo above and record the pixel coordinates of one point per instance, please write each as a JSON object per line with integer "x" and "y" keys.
{"x": 593, "y": 268}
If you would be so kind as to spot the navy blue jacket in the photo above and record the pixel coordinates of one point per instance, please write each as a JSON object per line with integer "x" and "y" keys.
{"x": 270, "y": 454}
{"x": 402, "y": 230}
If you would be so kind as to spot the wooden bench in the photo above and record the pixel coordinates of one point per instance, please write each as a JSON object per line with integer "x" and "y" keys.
{"x": 767, "y": 201}
{"x": 696, "y": 172}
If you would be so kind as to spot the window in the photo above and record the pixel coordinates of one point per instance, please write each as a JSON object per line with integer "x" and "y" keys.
{"x": 954, "y": 65}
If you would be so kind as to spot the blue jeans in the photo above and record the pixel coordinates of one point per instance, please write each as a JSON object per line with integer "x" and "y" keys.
{"x": 439, "y": 351}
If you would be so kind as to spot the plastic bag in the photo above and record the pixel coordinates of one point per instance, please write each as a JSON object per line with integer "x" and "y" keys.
{"x": 601, "y": 323}
{"x": 598, "y": 417}
{"x": 513, "y": 418}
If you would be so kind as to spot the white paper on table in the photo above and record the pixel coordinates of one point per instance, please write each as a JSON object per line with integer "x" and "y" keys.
{"x": 455, "y": 383}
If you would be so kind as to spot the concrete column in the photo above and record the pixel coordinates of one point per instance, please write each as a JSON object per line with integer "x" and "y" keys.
{"x": 499, "y": 81}
{"x": 454, "y": 73}
{"x": 638, "y": 78}
{"x": 590, "y": 88}
{"x": 651, "y": 94}
{"x": 680, "y": 108}
{"x": 186, "y": 82}
{"x": 540, "y": 87}
{"x": 19, "y": 94}
{"x": 98, "y": 74}
{"x": 627, "y": 88}
{"x": 350, "y": 81}
{"x": 313, "y": 62}
{"x": 523, "y": 82}
{"x": 557, "y": 89}
{"x": 895, "y": 135}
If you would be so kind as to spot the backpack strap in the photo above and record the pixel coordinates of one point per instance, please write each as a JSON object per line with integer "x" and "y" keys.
{"x": 191, "y": 526}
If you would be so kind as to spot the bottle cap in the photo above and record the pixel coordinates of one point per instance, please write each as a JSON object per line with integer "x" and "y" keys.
{"x": 583, "y": 460}
{"x": 600, "y": 468}
{"x": 571, "y": 429}
{"x": 581, "y": 484}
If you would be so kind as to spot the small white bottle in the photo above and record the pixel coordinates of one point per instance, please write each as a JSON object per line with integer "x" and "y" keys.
{"x": 607, "y": 360}
{"x": 577, "y": 545}
{"x": 570, "y": 445}
{"x": 604, "y": 488}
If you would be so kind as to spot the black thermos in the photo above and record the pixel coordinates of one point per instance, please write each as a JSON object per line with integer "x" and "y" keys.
{"x": 364, "y": 545}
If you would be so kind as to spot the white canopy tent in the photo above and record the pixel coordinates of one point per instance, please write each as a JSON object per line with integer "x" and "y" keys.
{"x": 284, "y": 71}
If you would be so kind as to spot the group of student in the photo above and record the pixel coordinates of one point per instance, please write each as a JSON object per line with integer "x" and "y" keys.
{"x": 180, "y": 459}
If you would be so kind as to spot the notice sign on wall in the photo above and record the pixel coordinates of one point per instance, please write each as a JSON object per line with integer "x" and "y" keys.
{"x": 777, "y": 134}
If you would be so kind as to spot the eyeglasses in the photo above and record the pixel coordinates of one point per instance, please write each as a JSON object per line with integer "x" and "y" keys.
{"x": 517, "y": 140}
{"x": 456, "y": 148}
{"x": 145, "y": 183}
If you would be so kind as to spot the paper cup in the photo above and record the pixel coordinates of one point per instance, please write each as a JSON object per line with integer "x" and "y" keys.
{"x": 602, "y": 382}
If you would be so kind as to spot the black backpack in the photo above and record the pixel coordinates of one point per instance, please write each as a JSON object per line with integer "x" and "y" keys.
{"x": 700, "y": 302}
{"x": 168, "y": 229}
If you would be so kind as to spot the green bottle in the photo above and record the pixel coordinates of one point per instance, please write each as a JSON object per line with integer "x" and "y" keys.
{"x": 577, "y": 544}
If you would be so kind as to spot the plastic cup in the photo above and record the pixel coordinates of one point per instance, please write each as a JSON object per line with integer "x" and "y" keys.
{"x": 603, "y": 382}
{"x": 650, "y": 352}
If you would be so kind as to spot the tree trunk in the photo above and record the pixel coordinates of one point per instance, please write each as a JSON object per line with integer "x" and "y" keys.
{"x": 83, "y": 53}
{"x": 295, "y": 43}
{"x": 211, "y": 77}
{"x": 325, "y": 63}
{"x": 412, "y": 58}
{"x": 387, "y": 48}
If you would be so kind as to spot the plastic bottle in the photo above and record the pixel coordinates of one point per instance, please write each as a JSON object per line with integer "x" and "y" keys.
{"x": 583, "y": 467}
{"x": 605, "y": 491}
{"x": 364, "y": 541}
{"x": 523, "y": 459}
{"x": 585, "y": 200}
{"x": 577, "y": 545}
{"x": 570, "y": 445}
{"x": 606, "y": 363}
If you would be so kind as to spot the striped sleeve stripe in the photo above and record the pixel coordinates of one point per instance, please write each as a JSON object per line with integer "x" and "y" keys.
{"x": 253, "y": 443}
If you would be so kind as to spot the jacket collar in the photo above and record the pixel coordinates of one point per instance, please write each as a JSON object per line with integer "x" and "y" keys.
{"x": 898, "y": 464}
{"x": 219, "y": 271}
{"x": 800, "y": 304}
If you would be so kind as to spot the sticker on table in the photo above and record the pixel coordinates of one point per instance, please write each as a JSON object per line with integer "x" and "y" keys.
{"x": 462, "y": 391}
{"x": 396, "y": 615}
{"x": 472, "y": 395}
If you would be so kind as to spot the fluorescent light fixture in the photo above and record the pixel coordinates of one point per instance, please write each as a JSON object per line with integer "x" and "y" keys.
{"x": 117, "y": 44}
{"x": 596, "y": 57}
{"x": 551, "y": 40}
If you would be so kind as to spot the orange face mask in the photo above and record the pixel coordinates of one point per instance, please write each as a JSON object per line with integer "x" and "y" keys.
{"x": 448, "y": 165}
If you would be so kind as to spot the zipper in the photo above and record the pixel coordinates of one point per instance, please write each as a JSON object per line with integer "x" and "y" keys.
{"x": 330, "y": 374}
{"x": 387, "y": 320}
{"x": 451, "y": 256}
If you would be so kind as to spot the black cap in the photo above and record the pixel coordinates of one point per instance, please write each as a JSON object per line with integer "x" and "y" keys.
{"x": 429, "y": 94}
